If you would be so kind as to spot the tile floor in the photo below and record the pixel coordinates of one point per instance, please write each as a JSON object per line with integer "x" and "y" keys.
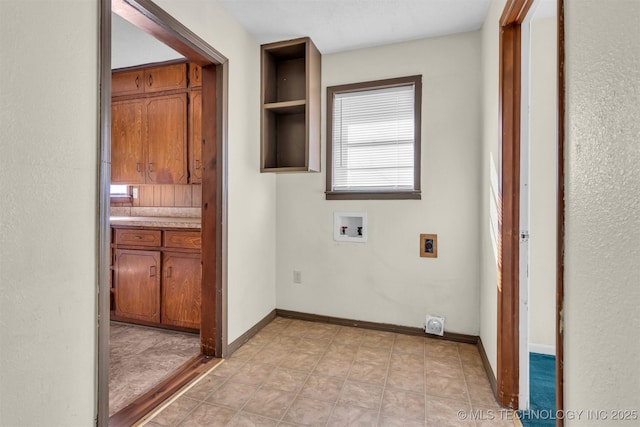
{"x": 141, "y": 357}
{"x": 304, "y": 373}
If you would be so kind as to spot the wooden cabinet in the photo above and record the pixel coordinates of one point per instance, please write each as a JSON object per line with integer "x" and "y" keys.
{"x": 127, "y": 83}
{"x": 137, "y": 285}
{"x": 128, "y": 131}
{"x": 166, "y": 139}
{"x": 149, "y": 80}
{"x": 290, "y": 101}
{"x": 149, "y": 140}
{"x": 149, "y": 125}
{"x": 195, "y": 137}
{"x": 157, "y": 276}
{"x": 181, "y": 289}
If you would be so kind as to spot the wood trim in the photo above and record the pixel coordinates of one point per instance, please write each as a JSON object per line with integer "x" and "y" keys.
{"x": 509, "y": 226}
{"x": 236, "y": 344}
{"x": 209, "y": 318}
{"x": 515, "y": 11}
{"x": 104, "y": 205}
{"x": 376, "y": 195}
{"x": 508, "y": 378}
{"x": 150, "y": 400}
{"x": 150, "y": 95}
{"x": 386, "y": 327}
{"x": 222, "y": 106}
{"x": 151, "y": 65}
{"x": 560, "y": 220}
{"x": 487, "y": 366}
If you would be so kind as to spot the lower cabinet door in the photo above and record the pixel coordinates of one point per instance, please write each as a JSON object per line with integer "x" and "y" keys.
{"x": 181, "y": 281}
{"x": 137, "y": 285}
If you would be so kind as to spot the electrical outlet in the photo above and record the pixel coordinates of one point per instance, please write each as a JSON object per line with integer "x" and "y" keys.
{"x": 297, "y": 277}
{"x": 135, "y": 192}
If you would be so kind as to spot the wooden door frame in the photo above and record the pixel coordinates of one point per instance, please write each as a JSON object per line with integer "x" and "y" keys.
{"x": 508, "y": 377}
{"x": 150, "y": 18}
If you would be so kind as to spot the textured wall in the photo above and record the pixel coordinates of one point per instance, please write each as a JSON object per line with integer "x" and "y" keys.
{"x": 385, "y": 280}
{"x": 489, "y": 158}
{"x": 602, "y": 258}
{"x": 48, "y": 212}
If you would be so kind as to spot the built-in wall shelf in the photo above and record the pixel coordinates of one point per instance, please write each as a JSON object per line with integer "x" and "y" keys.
{"x": 290, "y": 104}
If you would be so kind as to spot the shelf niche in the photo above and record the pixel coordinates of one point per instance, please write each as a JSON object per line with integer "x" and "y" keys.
{"x": 290, "y": 104}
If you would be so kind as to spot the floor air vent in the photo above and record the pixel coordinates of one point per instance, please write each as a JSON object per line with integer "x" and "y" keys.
{"x": 434, "y": 325}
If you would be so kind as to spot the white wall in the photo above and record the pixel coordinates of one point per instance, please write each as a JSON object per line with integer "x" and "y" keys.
{"x": 385, "y": 280}
{"x": 489, "y": 158}
{"x": 252, "y": 212}
{"x": 543, "y": 184}
{"x": 602, "y": 254}
{"x": 48, "y": 213}
{"x": 131, "y": 46}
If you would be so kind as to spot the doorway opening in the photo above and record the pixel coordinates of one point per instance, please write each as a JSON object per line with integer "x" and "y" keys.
{"x": 538, "y": 209}
{"x": 150, "y": 18}
{"x": 512, "y": 298}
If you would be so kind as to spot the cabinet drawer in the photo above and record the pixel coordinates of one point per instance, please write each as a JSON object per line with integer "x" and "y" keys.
{"x": 165, "y": 78}
{"x": 138, "y": 237}
{"x": 195, "y": 75}
{"x": 182, "y": 239}
{"x": 127, "y": 83}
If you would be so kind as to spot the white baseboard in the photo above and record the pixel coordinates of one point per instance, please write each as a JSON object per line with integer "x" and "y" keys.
{"x": 542, "y": 348}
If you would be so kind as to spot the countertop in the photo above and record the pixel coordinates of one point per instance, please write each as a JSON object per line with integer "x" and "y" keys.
{"x": 156, "y": 221}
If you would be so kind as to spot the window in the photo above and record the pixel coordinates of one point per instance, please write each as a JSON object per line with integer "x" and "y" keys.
{"x": 373, "y": 139}
{"x": 120, "y": 193}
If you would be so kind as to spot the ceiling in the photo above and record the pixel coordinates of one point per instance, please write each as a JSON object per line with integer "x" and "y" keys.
{"x": 333, "y": 25}
{"x": 339, "y": 25}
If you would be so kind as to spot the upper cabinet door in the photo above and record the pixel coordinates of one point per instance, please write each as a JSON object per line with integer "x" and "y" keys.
{"x": 127, "y": 83}
{"x": 165, "y": 78}
{"x": 127, "y": 134}
{"x": 166, "y": 128}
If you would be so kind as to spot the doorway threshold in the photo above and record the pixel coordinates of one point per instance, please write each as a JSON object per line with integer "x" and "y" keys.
{"x": 141, "y": 408}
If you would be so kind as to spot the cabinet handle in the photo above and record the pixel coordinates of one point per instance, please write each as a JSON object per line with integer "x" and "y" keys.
{"x": 150, "y": 80}
{"x": 152, "y": 271}
{"x": 138, "y": 167}
{"x": 168, "y": 272}
{"x": 151, "y": 169}
{"x": 137, "y": 81}
{"x": 196, "y": 164}
{"x": 195, "y": 73}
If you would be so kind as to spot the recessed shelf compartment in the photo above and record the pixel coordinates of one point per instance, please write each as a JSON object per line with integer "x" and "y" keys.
{"x": 286, "y": 107}
{"x": 290, "y": 128}
{"x": 350, "y": 227}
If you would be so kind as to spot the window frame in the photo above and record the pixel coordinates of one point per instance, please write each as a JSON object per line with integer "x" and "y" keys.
{"x": 414, "y": 194}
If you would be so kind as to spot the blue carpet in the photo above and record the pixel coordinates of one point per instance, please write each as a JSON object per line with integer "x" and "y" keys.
{"x": 542, "y": 392}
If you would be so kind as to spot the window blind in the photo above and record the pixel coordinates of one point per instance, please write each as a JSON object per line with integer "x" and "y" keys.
{"x": 373, "y": 139}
